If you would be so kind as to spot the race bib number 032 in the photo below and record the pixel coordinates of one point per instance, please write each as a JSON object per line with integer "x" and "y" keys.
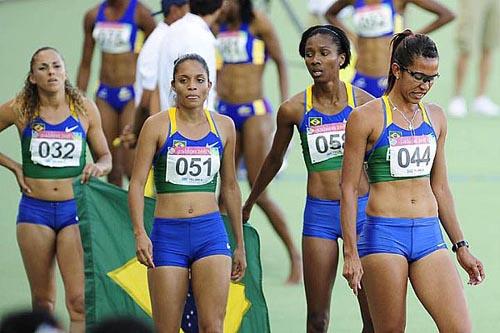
{"x": 56, "y": 149}
{"x": 412, "y": 156}
{"x": 325, "y": 141}
{"x": 192, "y": 165}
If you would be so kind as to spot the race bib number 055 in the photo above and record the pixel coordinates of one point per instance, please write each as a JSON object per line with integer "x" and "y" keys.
{"x": 326, "y": 141}
{"x": 412, "y": 156}
{"x": 374, "y": 20}
{"x": 192, "y": 165}
{"x": 56, "y": 149}
{"x": 233, "y": 46}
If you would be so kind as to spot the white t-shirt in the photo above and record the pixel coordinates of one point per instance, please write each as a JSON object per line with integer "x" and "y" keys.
{"x": 146, "y": 75}
{"x": 190, "y": 34}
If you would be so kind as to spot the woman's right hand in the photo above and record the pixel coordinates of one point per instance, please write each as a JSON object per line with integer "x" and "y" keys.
{"x": 245, "y": 212}
{"x": 352, "y": 272}
{"x": 144, "y": 250}
{"x": 18, "y": 171}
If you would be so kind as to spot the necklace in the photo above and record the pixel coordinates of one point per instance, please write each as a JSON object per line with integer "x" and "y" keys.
{"x": 411, "y": 128}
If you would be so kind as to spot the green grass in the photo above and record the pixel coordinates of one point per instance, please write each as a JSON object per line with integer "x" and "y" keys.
{"x": 473, "y": 162}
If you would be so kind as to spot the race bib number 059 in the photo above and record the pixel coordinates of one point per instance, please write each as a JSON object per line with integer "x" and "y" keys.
{"x": 326, "y": 141}
{"x": 412, "y": 156}
{"x": 56, "y": 149}
{"x": 192, "y": 165}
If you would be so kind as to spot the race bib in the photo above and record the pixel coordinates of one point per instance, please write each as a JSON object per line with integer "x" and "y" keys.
{"x": 325, "y": 141}
{"x": 233, "y": 46}
{"x": 412, "y": 156}
{"x": 192, "y": 165}
{"x": 374, "y": 20}
{"x": 56, "y": 149}
{"x": 113, "y": 37}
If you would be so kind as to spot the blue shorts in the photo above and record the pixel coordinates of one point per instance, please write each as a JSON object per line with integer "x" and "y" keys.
{"x": 116, "y": 97}
{"x": 411, "y": 238}
{"x": 180, "y": 242}
{"x": 322, "y": 218}
{"x": 53, "y": 214}
{"x": 371, "y": 84}
{"x": 239, "y": 113}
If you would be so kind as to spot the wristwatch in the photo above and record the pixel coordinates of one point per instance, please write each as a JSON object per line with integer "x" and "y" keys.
{"x": 458, "y": 245}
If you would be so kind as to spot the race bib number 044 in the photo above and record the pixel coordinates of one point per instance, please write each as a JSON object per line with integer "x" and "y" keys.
{"x": 56, "y": 149}
{"x": 412, "y": 156}
{"x": 192, "y": 165}
{"x": 325, "y": 141}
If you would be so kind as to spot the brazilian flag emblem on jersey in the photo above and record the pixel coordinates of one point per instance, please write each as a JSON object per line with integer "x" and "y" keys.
{"x": 395, "y": 134}
{"x": 38, "y": 127}
{"x": 115, "y": 282}
{"x": 315, "y": 121}
{"x": 180, "y": 143}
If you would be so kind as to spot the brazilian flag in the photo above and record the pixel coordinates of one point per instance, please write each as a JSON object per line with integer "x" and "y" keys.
{"x": 116, "y": 283}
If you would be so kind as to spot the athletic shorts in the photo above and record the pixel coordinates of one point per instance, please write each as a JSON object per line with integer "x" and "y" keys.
{"x": 478, "y": 20}
{"x": 239, "y": 113}
{"x": 371, "y": 84}
{"x": 322, "y": 218}
{"x": 116, "y": 97}
{"x": 180, "y": 242}
{"x": 53, "y": 214}
{"x": 410, "y": 238}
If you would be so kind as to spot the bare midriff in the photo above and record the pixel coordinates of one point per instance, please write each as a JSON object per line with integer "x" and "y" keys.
{"x": 50, "y": 189}
{"x": 240, "y": 83}
{"x": 374, "y": 55}
{"x": 405, "y": 198}
{"x": 326, "y": 185}
{"x": 185, "y": 205}
{"x": 118, "y": 69}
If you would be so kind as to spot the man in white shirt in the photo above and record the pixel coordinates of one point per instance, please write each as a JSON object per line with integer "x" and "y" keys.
{"x": 146, "y": 76}
{"x": 190, "y": 34}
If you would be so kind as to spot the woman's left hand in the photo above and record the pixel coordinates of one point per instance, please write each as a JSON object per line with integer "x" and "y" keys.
{"x": 239, "y": 264}
{"x": 472, "y": 265}
{"x": 91, "y": 170}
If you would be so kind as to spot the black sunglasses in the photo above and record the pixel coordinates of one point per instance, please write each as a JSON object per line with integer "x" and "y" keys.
{"x": 421, "y": 77}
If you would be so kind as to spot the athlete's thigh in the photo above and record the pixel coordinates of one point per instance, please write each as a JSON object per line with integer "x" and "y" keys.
{"x": 320, "y": 259}
{"x": 257, "y": 137}
{"x": 238, "y": 149}
{"x": 168, "y": 286}
{"x": 210, "y": 279}
{"x": 69, "y": 254}
{"x": 127, "y": 118}
{"x": 109, "y": 119}
{"x": 38, "y": 244}
{"x": 437, "y": 284}
{"x": 385, "y": 281}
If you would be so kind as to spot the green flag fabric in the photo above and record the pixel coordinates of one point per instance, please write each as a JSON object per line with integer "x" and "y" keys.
{"x": 116, "y": 284}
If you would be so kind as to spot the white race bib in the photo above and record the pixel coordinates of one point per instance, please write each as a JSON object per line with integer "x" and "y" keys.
{"x": 412, "y": 156}
{"x": 325, "y": 141}
{"x": 56, "y": 149}
{"x": 113, "y": 37}
{"x": 374, "y": 20}
{"x": 192, "y": 165}
{"x": 233, "y": 46}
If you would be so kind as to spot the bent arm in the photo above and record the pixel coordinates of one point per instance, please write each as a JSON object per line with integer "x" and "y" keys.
{"x": 8, "y": 118}
{"x": 82, "y": 79}
{"x": 444, "y": 15}
{"x": 331, "y": 17}
{"x": 272, "y": 43}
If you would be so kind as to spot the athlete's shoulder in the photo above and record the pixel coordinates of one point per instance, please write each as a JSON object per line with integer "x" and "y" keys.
{"x": 9, "y": 112}
{"x": 362, "y": 96}
{"x": 222, "y": 121}
{"x": 436, "y": 112}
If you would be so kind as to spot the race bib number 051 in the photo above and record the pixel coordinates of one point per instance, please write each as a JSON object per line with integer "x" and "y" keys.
{"x": 192, "y": 165}
{"x": 326, "y": 141}
{"x": 412, "y": 156}
{"x": 56, "y": 149}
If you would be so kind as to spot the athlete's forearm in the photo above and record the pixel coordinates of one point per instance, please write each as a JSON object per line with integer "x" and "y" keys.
{"x": 136, "y": 206}
{"x": 268, "y": 171}
{"x": 82, "y": 80}
{"x": 447, "y": 214}
{"x": 283, "y": 77}
{"x": 141, "y": 114}
{"x": 348, "y": 216}
{"x": 104, "y": 163}
{"x": 232, "y": 198}
{"x": 9, "y": 163}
